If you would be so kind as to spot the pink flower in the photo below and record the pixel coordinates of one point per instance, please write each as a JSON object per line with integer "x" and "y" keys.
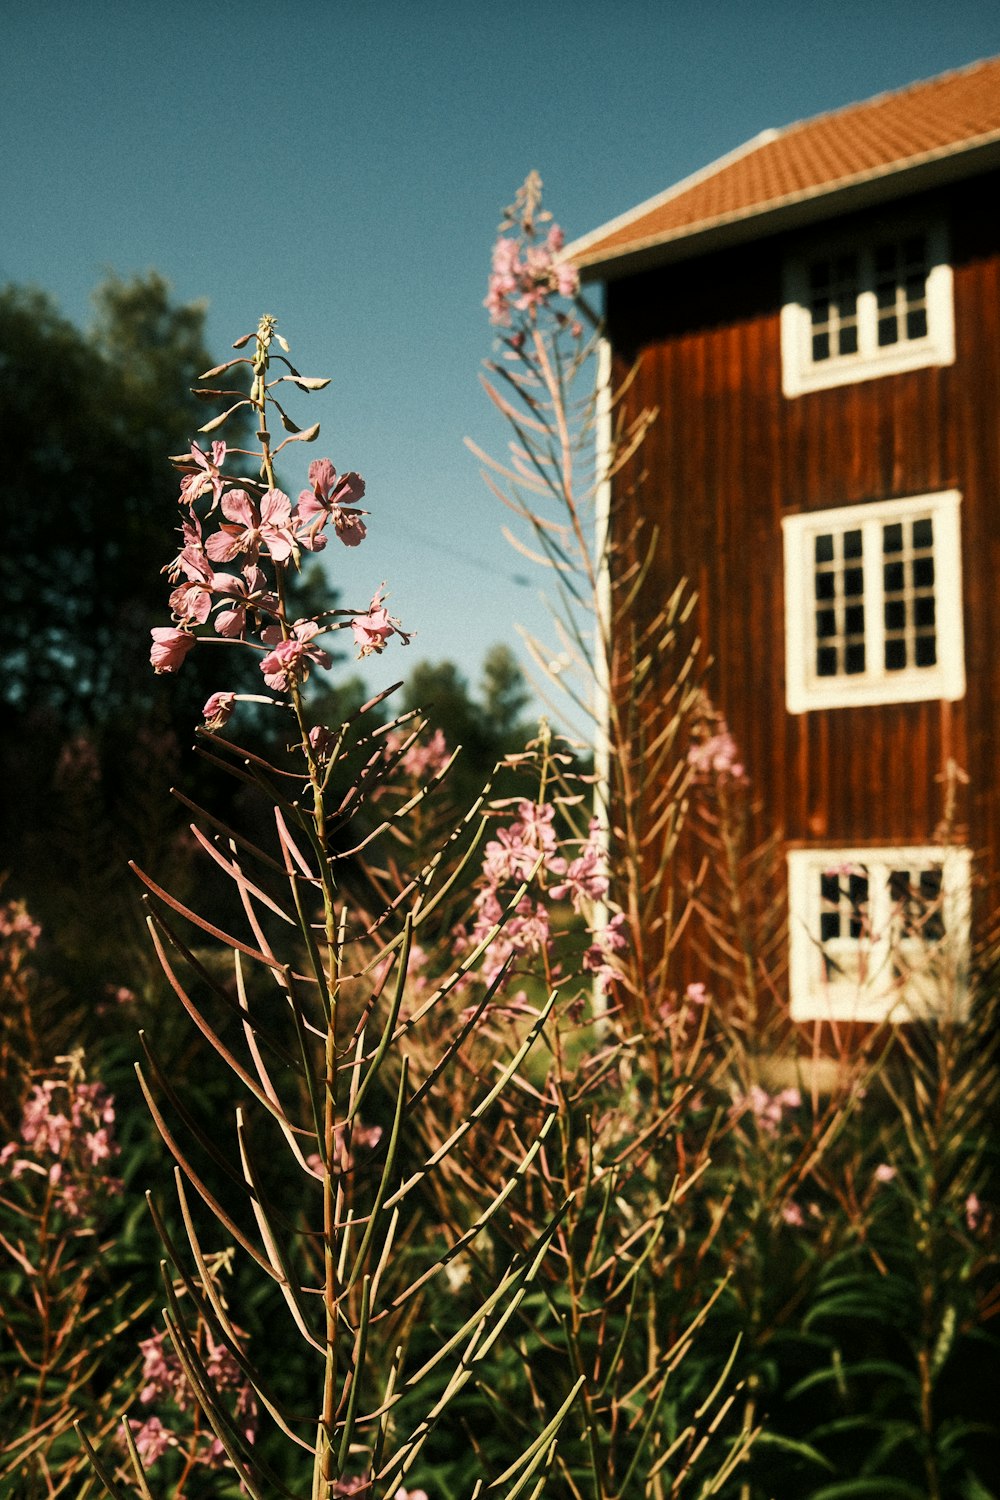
{"x": 792, "y": 1214}
{"x": 289, "y": 661}
{"x": 169, "y": 648}
{"x": 696, "y": 994}
{"x": 151, "y": 1439}
{"x": 16, "y": 922}
{"x": 599, "y": 957}
{"x": 321, "y": 739}
{"x": 248, "y": 591}
{"x": 373, "y": 629}
{"x": 248, "y": 527}
{"x": 192, "y": 547}
{"x": 527, "y": 931}
{"x": 717, "y": 756}
{"x": 327, "y": 501}
{"x": 767, "y": 1109}
{"x": 419, "y": 760}
{"x": 203, "y": 474}
{"x": 191, "y": 602}
{"x": 884, "y": 1172}
{"x": 973, "y": 1212}
{"x": 526, "y": 277}
{"x": 584, "y": 879}
{"x": 218, "y": 709}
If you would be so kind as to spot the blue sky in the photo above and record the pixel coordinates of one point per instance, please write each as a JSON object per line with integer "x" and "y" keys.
{"x": 343, "y": 165}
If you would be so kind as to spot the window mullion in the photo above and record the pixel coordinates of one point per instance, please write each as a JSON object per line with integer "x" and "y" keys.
{"x": 880, "y": 907}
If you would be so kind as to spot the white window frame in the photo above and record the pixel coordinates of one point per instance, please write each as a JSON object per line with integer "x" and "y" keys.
{"x": 804, "y": 689}
{"x": 936, "y": 980}
{"x": 800, "y": 374}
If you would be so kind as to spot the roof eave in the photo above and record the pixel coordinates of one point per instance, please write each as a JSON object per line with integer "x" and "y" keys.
{"x": 793, "y": 212}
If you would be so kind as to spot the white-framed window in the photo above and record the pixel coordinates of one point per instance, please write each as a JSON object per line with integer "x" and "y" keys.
{"x": 875, "y": 933}
{"x": 873, "y": 603}
{"x": 855, "y": 310}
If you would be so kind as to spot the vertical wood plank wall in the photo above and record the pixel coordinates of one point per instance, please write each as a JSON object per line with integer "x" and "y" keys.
{"x": 730, "y": 456}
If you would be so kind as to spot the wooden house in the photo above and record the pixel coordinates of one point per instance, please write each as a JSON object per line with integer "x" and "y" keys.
{"x": 817, "y": 317}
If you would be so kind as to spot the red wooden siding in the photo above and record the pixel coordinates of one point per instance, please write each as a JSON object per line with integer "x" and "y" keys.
{"x": 730, "y": 455}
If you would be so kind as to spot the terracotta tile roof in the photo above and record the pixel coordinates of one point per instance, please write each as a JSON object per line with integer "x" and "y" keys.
{"x": 923, "y": 123}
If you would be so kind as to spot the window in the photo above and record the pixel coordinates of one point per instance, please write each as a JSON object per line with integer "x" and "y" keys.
{"x": 867, "y": 309}
{"x": 873, "y": 606}
{"x": 877, "y": 932}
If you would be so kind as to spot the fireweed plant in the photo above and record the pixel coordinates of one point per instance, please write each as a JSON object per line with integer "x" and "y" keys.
{"x": 801, "y": 1149}
{"x": 392, "y": 1081}
{"x": 66, "y": 1309}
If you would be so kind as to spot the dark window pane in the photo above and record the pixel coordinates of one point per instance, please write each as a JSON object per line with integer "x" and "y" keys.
{"x": 852, "y": 543}
{"x": 895, "y": 655}
{"x": 857, "y": 888}
{"x": 826, "y": 661}
{"x": 829, "y": 926}
{"x": 826, "y": 585}
{"x": 821, "y": 346}
{"x": 894, "y": 577}
{"x": 854, "y": 619}
{"x": 888, "y": 332}
{"x": 829, "y": 888}
{"x": 926, "y": 651}
{"x": 923, "y": 572}
{"x": 923, "y": 611}
{"x": 930, "y": 895}
{"x": 885, "y": 294}
{"x": 916, "y": 324}
{"x": 849, "y": 340}
{"x": 854, "y": 659}
{"x": 923, "y": 532}
{"x": 892, "y": 538}
{"x": 820, "y": 313}
{"x": 895, "y": 614}
{"x": 854, "y": 581}
{"x": 824, "y": 548}
{"x": 899, "y": 887}
{"x": 826, "y": 623}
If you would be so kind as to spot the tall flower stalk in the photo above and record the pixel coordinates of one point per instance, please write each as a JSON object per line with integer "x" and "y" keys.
{"x": 345, "y": 1067}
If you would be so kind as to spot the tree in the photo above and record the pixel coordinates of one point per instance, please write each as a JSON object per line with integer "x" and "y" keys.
{"x": 488, "y": 725}
{"x": 505, "y": 696}
{"x": 88, "y": 419}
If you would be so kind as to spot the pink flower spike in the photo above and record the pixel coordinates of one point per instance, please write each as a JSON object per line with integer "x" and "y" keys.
{"x": 218, "y": 709}
{"x": 169, "y": 648}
